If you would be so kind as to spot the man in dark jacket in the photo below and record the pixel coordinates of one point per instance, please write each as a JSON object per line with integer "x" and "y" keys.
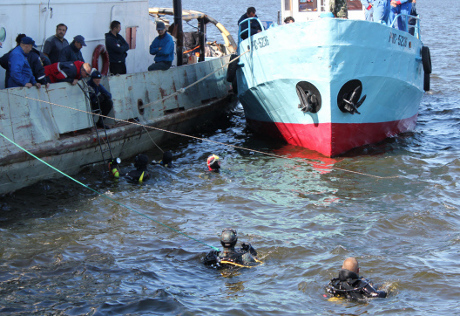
{"x": 101, "y": 99}
{"x": 117, "y": 48}
{"x": 20, "y": 72}
{"x": 55, "y": 43}
{"x": 73, "y": 51}
{"x": 349, "y": 285}
{"x": 255, "y": 26}
{"x": 67, "y": 71}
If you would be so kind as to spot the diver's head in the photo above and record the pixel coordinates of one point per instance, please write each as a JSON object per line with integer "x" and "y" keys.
{"x": 228, "y": 238}
{"x": 351, "y": 264}
{"x": 167, "y": 158}
{"x": 141, "y": 161}
{"x": 213, "y": 163}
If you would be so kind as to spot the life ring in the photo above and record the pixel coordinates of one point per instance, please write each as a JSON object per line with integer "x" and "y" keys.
{"x": 426, "y": 59}
{"x": 232, "y": 67}
{"x": 100, "y": 50}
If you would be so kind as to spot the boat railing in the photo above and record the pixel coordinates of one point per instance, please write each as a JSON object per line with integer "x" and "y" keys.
{"x": 248, "y": 21}
{"x": 411, "y": 22}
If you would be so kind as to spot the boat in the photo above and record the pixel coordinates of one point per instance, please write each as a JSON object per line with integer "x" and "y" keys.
{"x": 330, "y": 84}
{"x": 57, "y": 124}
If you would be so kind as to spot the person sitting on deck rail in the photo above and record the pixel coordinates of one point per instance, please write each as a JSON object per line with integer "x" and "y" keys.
{"x": 401, "y": 7}
{"x": 101, "y": 99}
{"x": 349, "y": 285}
{"x": 254, "y": 24}
{"x": 69, "y": 71}
{"x": 162, "y": 48}
{"x": 36, "y": 61}
{"x": 141, "y": 173}
{"x": 229, "y": 256}
{"x": 20, "y": 72}
{"x": 73, "y": 51}
{"x": 55, "y": 43}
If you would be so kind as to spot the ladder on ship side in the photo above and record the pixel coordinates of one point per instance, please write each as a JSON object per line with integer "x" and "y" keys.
{"x": 103, "y": 140}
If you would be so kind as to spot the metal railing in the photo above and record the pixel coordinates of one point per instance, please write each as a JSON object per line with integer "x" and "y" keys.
{"x": 248, "y": 21}
{"x": 412, "y": 23}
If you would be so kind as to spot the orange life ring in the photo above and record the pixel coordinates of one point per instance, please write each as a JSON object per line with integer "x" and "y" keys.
{"x": 100, "y": 50}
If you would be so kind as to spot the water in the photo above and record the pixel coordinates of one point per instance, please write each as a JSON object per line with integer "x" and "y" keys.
{"x": 66, "y": 251}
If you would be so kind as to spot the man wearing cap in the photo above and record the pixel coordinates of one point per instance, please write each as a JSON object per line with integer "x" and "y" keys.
{"x": 67, "y": 71}
{"x": 73, "y": 51}
{"x": 54, "y": 44}
{"x": 163, "y": 49}
{"x": 20, "y": 72}
{"x": 117, "y": 48}
{"x": 101, "y": 99}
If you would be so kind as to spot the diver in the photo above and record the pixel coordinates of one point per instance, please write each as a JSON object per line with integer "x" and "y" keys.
{"x": 213, "y": 163}
{"x": 141, "y": 173}
{"x": 166, "y": 161}
{"x": 349, "y": 285}
{"x": 229, "y": 256}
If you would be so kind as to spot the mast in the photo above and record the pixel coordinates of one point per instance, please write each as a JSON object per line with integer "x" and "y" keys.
{"x": 177, "y": 6}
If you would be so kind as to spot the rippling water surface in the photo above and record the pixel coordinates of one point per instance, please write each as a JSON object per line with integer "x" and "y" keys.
{"x": 66, "y": 251}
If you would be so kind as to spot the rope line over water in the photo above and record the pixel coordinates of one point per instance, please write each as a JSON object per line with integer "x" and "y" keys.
{"x": 105, "y": 196}
{"x": 297, "y": 160}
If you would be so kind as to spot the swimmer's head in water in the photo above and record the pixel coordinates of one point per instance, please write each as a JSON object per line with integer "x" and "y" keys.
{"x": 228, "y": 238}
{"x": 213, "y": 163}
{"x": 141, "y": 161}
{"x": 167, "y": 158}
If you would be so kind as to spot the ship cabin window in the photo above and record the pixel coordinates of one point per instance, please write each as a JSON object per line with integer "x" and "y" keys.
{"x": 287, "y": 5}
{"x": 354, "y": 5}
{"x": 131, "y": 36}
{"x": 308, "y": 5}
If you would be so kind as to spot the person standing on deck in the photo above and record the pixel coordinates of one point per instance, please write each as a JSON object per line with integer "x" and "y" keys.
{"x": 117, "y": 48}
{"x": 368, "y": 9}
{"x": 400, "y": 7}
{"x": 54, "y": 44}
{"x": 339, "y": 8}
{"x": 254, "y": 24}
{"x": 381, "y": 11}
{"x": 73, "y": 51}
{"x": 162, "y": 48}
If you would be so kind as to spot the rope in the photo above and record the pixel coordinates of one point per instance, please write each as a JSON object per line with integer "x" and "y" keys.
{"x": 105, "y": 196}
{"x": 182, "y": 90}
{"x": 300, "y": 161}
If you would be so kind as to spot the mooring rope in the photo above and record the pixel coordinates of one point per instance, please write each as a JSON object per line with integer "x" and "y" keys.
{"x": 104, "y": 195}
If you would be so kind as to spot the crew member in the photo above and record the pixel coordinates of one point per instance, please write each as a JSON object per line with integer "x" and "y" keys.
{"x": 67, "y": 71}
{"x": 101, "y": 99}
{"x": 73, "y": 51}
{"x": 21, "y": 74}
{"x": 254, "y": 24}
{"x": 229, "y": 256}
{"x": 162, "y": 48}
{"x": 349, "y": 285}
{"x": 368, "y": 10}
{"x": 141, "y": 173}
{"x": 401, "y": 7}
{"x": 117, "y": 47}
{"x": 55, "y": 43}
{"x": 289, "y": 20}
{"x": 381, "y": 11}
{"x": 339, "y": 8}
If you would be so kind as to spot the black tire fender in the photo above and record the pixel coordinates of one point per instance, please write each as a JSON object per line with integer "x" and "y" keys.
{"x": 232, "y": 67}
{"x": 426, "y": 82}
{"x": 426, "y": 59}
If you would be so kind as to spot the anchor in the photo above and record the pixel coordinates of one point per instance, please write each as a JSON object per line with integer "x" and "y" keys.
{"x": 352, "y": 104}
{"x": 309, "y": 101}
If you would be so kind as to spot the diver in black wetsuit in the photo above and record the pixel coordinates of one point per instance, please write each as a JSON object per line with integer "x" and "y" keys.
{"x": 141, "y": 173}
{"x": 349, "y": 285}
{"x": 229, "y": 256}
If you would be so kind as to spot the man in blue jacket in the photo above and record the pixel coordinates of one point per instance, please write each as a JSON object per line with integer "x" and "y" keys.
{"x": 101, "y": 99}
{"x": 20, "y": 72}
{"x": 163, "y": 49}
{"x": 117, "y": 48}
{"x": 73, "y": 51}
{"x": 400, "y": 7}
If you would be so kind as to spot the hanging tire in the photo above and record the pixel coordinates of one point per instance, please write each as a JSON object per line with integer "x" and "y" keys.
{"x": 426, "y": 82}
{"x": 426, "y": 59}
{"x": 231, "y": 69}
